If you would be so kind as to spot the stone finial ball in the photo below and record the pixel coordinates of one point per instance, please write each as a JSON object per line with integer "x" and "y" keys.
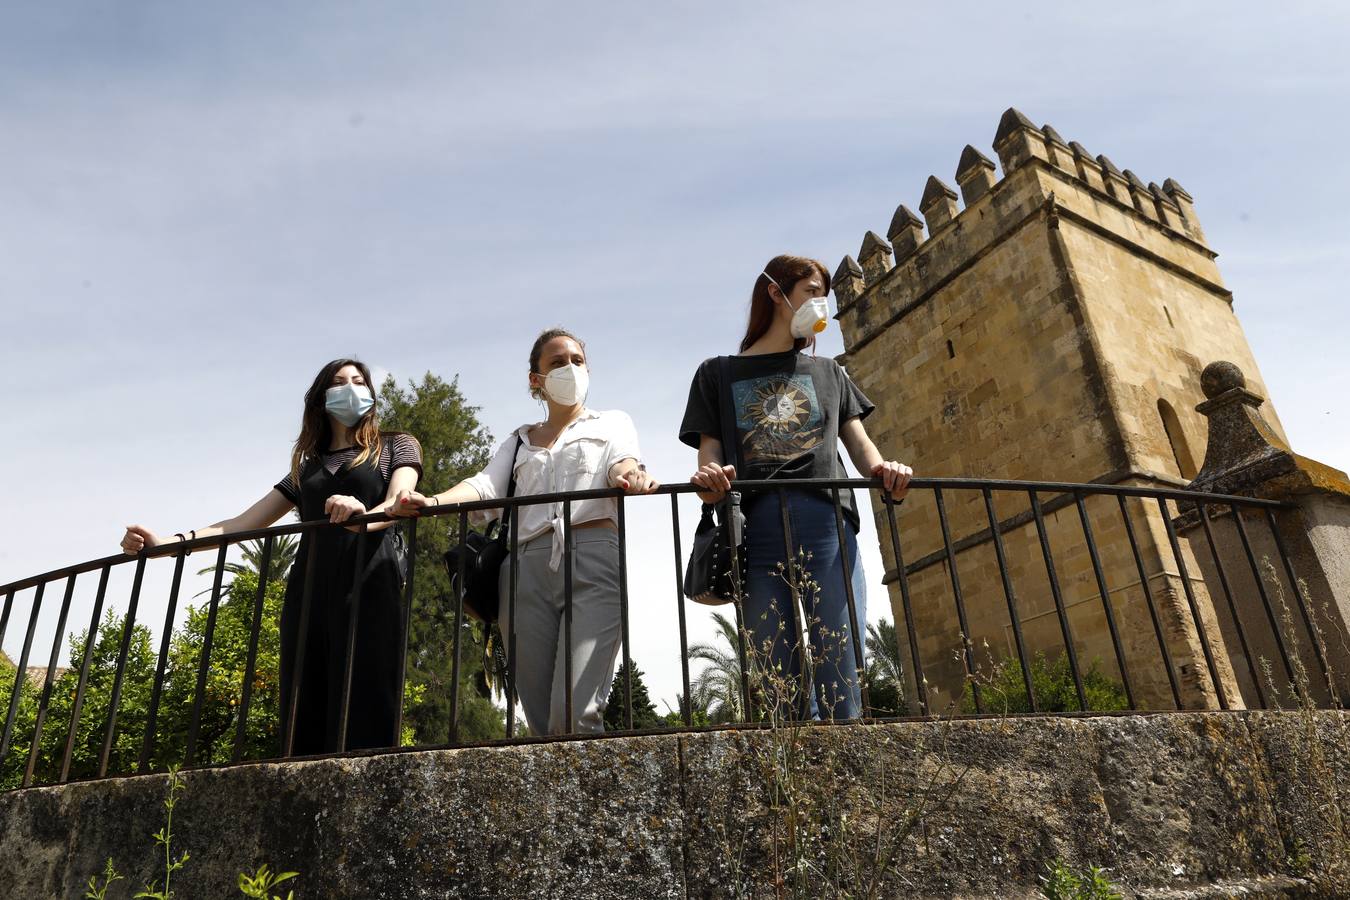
{"x": 1220, "y": 377}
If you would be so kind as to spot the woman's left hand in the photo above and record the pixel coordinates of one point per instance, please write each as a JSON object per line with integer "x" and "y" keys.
{"x": 636, "y": 481}
{"x": 894, "y": 477}
{"x": 341, "y": 507}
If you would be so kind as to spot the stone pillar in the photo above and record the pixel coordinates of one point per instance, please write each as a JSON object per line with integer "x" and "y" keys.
{"x": 1245, "y": 457}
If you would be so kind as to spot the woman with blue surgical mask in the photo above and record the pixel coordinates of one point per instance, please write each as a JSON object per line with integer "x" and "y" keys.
{"x": 789, "y": 412}
{"x": 342, "y": 466}
{"x": 575, "y": 448}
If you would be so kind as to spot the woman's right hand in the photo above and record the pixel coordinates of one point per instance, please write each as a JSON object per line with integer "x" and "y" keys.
{"x": 139, "y": 538}
{"x": 409, "y": 504}
{"x": 715, "y": 479}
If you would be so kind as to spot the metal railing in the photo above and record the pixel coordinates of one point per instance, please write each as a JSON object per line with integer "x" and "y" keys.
{"x": 29, "y": 594}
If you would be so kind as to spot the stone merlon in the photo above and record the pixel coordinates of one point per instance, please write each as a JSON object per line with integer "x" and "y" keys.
{"x": 938, "y": 204}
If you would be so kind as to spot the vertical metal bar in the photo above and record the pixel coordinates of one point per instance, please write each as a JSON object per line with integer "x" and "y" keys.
{"x": 511, "y": 638}
{"x": 301, "y": 643}
{"x": 1011, "y": 598}
{"x": 4, "y": 616}
{"x": 967, "y": 649}
{"x": 623, "y": 617}
{"x": 920, "y": 686}
{"x": 116, "y": 697}
{"x": 1063, "y": 614}
{"x": 801, "y": 619}
{"x": 730, "y": 508}
{"x": 148, "y": 744}
{"x": 1265, "y": 598}
{"x": 687, "y": 711}
{"x": 1106, "y": 596}
{"x": 1148, "y": 597}
{"x": 459, "y": 625}
{"x": 204, "y": 663}
{"x": 21, "y": 671}
{"x": 405, "y": 627}
{"x": 1232, "y": 606}
{"x": 567, "y": 614}
{"x": 363, "y": 557}
{"x": 859, "y": 669}
{"x": 1314, "y": 633}
{"x": 1195, "y": 608}
{"x": 251, "y": 663}
{"x": 90, "y": 640}
{"x": 47, "y": 682}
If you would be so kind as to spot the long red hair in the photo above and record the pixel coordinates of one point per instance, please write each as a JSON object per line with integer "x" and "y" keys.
{"x": 786, "y": 271}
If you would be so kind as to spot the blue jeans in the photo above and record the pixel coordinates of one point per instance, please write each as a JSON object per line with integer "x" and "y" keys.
{"x": 817, "y": 570}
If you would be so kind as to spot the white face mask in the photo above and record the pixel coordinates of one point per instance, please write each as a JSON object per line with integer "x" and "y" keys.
{"x": 567, "y": 385}
{"x": 348, "y": 403}
{"x": 811, "y": 318}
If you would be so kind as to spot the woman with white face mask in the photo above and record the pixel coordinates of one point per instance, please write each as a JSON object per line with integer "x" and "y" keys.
{"x": 574, "y": 449}
{"x": 342, "y": 466}
{"x": 789, "y": 411}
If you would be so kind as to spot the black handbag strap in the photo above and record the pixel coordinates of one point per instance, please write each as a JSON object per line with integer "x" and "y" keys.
{"x": 510, "y": 489}
{"x": 729, "y": 438}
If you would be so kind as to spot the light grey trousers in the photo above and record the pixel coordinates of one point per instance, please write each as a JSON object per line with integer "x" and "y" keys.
{"x": 540, "y": 630}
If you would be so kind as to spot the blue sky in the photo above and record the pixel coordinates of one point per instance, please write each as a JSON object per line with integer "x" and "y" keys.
{"x": 202, "y": 203}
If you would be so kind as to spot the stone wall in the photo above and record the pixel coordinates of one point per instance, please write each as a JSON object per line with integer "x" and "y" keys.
{"x": 1176, "y": 805}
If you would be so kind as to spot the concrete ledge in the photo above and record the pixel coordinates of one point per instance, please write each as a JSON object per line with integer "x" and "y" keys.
{"x": 1175, "y": 805}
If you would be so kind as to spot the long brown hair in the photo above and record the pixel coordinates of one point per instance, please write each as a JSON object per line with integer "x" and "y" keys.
{"x": 316, "y": 431}
{"x": 786, "y": 271}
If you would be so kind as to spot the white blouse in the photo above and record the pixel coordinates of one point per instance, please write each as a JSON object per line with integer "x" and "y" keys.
{"x": 579, "y": 460}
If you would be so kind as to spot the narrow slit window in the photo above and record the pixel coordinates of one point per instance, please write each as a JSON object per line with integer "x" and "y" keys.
{"x": 1181, "y": 452}
{"x": 951, "y": 351}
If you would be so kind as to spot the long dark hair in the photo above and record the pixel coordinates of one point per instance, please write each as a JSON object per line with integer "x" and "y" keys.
{"x": 786, "y": 271}
{"x": 316, "y": 431}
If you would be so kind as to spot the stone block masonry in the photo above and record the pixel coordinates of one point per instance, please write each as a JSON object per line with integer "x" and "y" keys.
{"x": 1174, "y": 805}
{"x": 1054, "y": 329}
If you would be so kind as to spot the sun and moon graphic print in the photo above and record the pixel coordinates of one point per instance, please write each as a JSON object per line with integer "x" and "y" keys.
{"x": 778, "y": 417}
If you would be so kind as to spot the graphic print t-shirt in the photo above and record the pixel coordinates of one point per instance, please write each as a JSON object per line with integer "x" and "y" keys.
{"x": 786, "y": 407}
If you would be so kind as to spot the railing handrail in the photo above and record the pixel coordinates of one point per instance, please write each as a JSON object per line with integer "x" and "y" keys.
{"x": 958, "y": 483}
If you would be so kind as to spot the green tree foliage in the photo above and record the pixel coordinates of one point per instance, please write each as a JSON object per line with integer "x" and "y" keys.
{"x": 644, "y": 711}
{"x": 284, "y": 549}
{"x": 132, "y": 710}
{"x": 223, "y": 693}
{"x": 884, "y": 672}
{"x": 455, "y": 445}
{"x": 1052, "y": 681}
{"x": 715, "y": 693}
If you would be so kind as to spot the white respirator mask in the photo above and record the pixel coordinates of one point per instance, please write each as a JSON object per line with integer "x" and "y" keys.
{"x": 567, "y": 385}
{"x": 811, "y": 318}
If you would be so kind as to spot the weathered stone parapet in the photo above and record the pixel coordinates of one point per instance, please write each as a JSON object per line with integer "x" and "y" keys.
{"x": 1210, "y": 804}
{"x": 1041, "y": 171}
{"x": 1246, "y": 457}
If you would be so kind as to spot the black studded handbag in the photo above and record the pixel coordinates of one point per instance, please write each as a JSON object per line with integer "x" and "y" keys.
{"x": 483, "y": 554}
{"x": 711, "y": 576}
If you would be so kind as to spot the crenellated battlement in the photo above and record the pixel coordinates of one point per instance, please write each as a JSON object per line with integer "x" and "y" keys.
{"x": 1020, "y": 145}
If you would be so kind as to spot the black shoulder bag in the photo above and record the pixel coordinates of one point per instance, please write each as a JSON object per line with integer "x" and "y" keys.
{"x": 484, "y": 553}
{"x": 709, "y": 577}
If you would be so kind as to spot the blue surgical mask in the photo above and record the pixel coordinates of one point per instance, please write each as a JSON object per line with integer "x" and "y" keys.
{"x": 348, "y": 402}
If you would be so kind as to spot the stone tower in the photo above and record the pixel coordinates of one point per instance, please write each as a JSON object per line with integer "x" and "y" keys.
{"x": 1051, "y": 326}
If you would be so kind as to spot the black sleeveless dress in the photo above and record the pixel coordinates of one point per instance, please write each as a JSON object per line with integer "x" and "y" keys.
{"x": 375, "y": 692}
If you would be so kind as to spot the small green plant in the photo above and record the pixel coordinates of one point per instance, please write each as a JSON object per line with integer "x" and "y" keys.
{"x": 164, "y": 838}
{"x": 98, "y": 891}
{"x": 260, "y": 884}
{"x": 1062, "y": 883}
{"x": 1005, "y": 691}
